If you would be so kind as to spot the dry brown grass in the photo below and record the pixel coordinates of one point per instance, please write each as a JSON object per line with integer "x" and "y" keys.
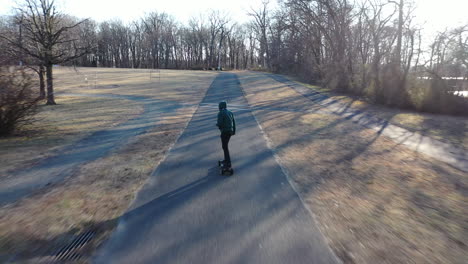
{"x": 375, "y": 201}
{"x": 95, "y": 197}
{"x": 76, "y": 117}
{"x": 168, "y": 84}
{"x": 445, "y": 128}
{"x": 97, "y": 194}
{"x": 56, "y": 126}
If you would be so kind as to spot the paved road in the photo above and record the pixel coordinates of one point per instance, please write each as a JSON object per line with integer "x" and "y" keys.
{"x": 188, "y": 213}
{"x": 90, "y": 148}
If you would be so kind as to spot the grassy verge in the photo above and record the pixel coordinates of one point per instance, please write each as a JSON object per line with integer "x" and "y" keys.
{"x": 375, "y": 201}
{"x": 448, "y": 129}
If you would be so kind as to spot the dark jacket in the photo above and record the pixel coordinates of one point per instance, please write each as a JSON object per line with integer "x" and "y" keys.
{"x": 226, "y": 122}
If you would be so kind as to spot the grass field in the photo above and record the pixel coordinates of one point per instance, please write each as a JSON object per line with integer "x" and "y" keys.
{"x": 375, "y": 200}
{"x": 100, "y": 191}
{"x": 57, "y": 126}
{"x": 445, "y": 128}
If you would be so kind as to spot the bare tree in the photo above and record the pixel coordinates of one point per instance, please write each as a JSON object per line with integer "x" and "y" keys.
{"x": 11, "y": 31}
{"x": 46, "y": 35}
{"x": 217, "y": 24}
{"x": 261, "y": 25}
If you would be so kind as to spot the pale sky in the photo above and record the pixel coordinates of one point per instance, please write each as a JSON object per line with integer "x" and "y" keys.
{"x": 128, "y": 10}
{"x": 434, "y": 15}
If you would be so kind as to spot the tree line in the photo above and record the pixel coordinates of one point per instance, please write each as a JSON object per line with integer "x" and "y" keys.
{"x": 159, "y": 41}
{"x": 371, "y": 48}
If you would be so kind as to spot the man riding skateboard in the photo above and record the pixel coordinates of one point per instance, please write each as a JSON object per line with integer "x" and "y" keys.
{"x": 227, "y": 125}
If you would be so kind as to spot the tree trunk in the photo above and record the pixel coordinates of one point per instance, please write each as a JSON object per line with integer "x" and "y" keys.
{"x": 50, "y": 85}
{"x": 42, "y": 93}
{"x": 399, "y": 96}
{"x": 400, "y": 34}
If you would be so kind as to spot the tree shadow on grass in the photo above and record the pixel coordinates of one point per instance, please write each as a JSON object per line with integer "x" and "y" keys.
{"x": 44, "y": 250}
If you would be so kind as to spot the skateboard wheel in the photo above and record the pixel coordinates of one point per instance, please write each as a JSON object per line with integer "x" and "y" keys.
{"x": 226, "y": 171}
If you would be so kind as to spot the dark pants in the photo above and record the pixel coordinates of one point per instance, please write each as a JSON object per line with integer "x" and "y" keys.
{"x": 225, "y": 137}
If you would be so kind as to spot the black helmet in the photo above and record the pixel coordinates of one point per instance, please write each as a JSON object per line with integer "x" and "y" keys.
{"x": 222, "y": 105}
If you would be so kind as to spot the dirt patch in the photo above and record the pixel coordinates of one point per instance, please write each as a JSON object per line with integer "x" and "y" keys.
{"x": 375, "y": 201}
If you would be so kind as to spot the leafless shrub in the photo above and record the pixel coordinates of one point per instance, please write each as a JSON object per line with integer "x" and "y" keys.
{"x": 18, "y": 102}
{"x": 439, "y": 99}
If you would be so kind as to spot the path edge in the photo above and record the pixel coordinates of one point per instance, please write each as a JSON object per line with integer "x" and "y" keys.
{"x": 286, "y": 172}
{"x": 98, "y": 252}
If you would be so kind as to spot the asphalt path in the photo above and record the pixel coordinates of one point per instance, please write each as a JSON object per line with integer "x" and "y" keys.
{"x": 188, "y": 213}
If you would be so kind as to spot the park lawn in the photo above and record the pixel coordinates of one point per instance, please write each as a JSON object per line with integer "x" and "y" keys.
{"x": 99, "y": 192}
{"x": 58, "y": 126}
{"x": 91, "y": 199}
{"x": 176, "y": 85}
{"x": 374, "y": 200}
{"x": 448, "y": 129}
